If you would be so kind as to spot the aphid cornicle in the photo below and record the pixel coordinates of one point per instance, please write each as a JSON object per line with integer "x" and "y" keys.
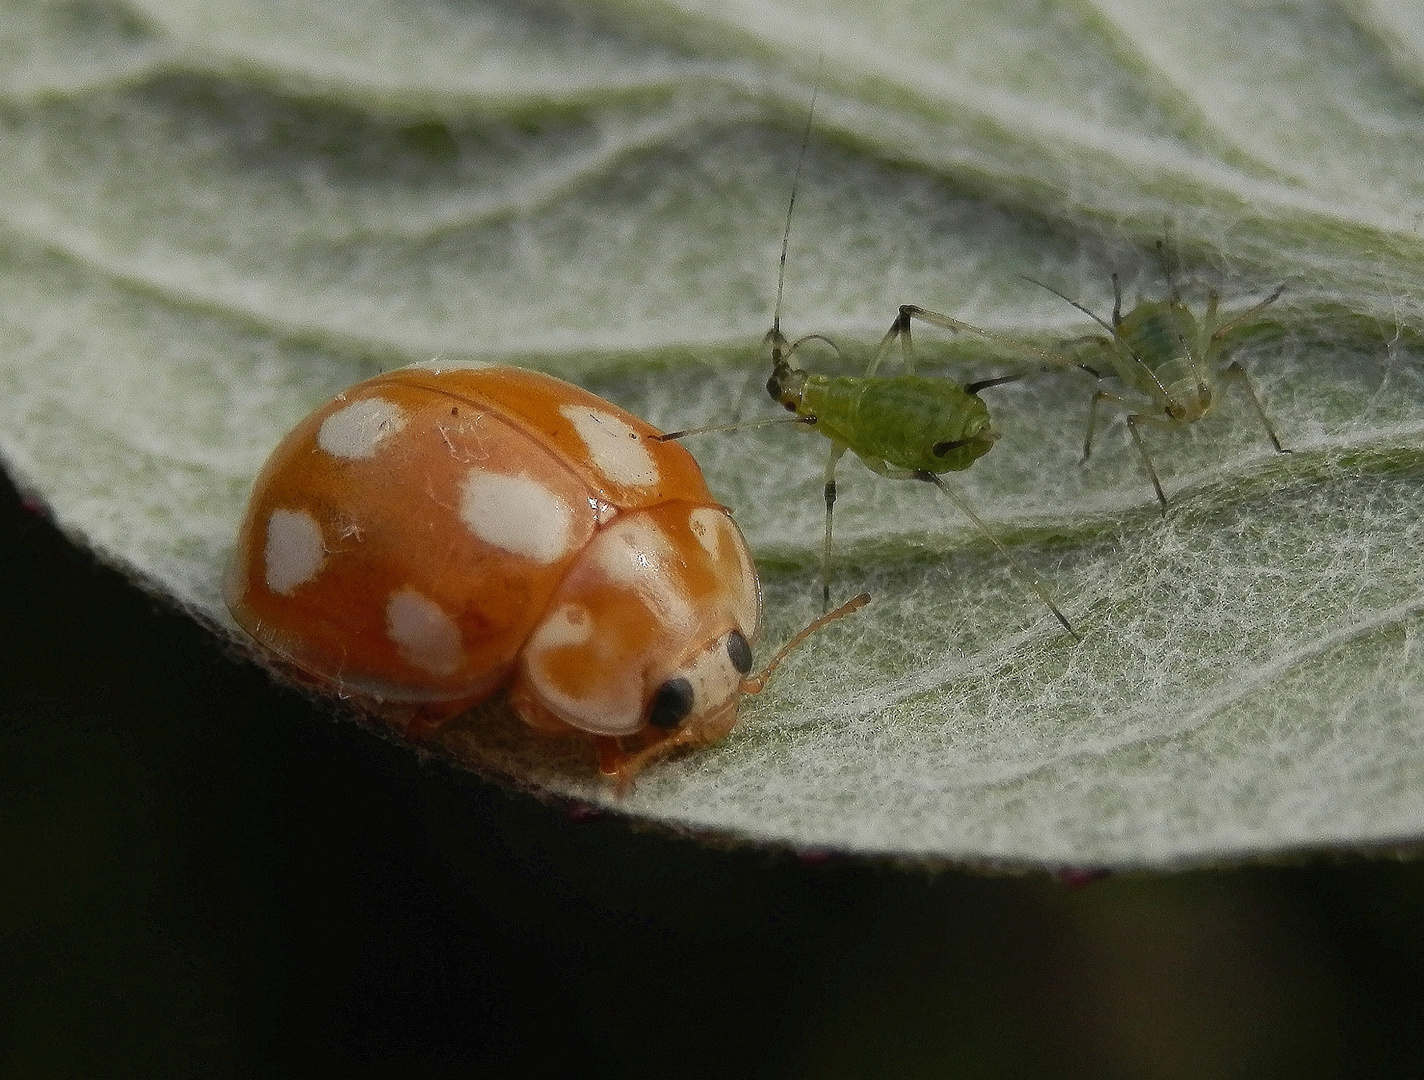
{"x": 438, "y": 533}
{"x": 1161, "y": 350}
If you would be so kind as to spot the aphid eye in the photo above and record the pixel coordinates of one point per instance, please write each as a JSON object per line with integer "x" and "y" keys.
{"x": 671, "y": 703}
{"x": 739, "y": 651}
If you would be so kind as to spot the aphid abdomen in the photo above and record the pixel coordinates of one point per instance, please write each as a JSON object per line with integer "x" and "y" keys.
{"x": 1160, "y": 336}
{"x": 902, "y": 420}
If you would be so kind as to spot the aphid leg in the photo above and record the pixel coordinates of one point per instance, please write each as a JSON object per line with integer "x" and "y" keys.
{"x": 901, "y": 325}
{"x": 782, "y": 350}
{"x": 1099, "y": 396}
{"x": 837, "y": 451}
{"x": 1221, "y": 331}
{"x": 1167, "y": 257}
{"x": 811, "y": 337}
{"x": 1133, "y": 419}
{"x": 1234, "y": 370}
{"x": 1087, "y": 339}
{"x": 907, "y": 344}
{"x": 1019, "y": 568}
{"x": 944, "y": 322}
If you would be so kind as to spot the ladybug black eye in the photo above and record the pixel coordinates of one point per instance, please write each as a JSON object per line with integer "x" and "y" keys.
{"x": 739, "y": 651}
{"x": 671, "y": 703}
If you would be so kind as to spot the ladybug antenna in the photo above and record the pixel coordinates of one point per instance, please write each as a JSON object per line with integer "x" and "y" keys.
{"x": 624, "y": 767}
{"x": 755, "y": 684}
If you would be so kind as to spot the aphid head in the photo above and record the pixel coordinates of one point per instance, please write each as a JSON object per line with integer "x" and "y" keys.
{"x": 1190, "y": 401}
{"x": 786, "y": 385}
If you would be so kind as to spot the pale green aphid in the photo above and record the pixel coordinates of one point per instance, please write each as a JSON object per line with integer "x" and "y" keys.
{"x": 1164, "y": 352}
{"x": 904, "y": 427}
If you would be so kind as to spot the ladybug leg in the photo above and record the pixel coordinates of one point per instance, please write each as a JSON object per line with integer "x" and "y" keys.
{"x": 611, "y": 756}
{"x": 622, "y": 755}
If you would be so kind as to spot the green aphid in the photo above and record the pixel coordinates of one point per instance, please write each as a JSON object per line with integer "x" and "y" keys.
{"x": 904, "y": 427}
{"x": 1161, "y": 350}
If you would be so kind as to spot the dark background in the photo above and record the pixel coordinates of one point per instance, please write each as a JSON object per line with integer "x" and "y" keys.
{"x": 203, "y": 874}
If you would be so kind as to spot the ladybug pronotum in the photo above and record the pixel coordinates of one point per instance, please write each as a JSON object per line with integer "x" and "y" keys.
{"x": 441, "y": 532}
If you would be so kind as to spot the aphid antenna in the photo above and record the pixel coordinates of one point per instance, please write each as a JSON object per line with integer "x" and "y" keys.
{"x": 1197, "y": 369}
{"x": 736, "y": 425}
{"x": 1082, "y": 307}
{"x": 1019, "y": 568}
{"x": 1113, "y": 330}
{"x": 785, "y": 350}
{"x": 1249, "y": 313}
{"x": 1164, "y": 257}
{"x": 775, "y": 335}
{"x": 900, "y": 330}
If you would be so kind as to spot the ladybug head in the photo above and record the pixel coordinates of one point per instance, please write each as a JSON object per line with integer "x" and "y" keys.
{"x": 702, "y": 697}
{"x": 649, "y": 634}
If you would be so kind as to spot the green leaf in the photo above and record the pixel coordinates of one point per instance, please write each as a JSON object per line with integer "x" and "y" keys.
{"x": 216, "y": 216}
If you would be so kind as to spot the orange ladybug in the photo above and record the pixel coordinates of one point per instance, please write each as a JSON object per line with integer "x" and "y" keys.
{"x": 441, "y": 532}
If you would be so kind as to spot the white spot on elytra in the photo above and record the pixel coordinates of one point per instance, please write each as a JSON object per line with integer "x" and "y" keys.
{"x": 570, "y": 625}
{"x": 615, "y": 449}
{"x": 356, "y": 431}
{"x": 610, "y": 705}
{"x": 713, "y": 529}
{"x": 635, "y": 552}
{"x": 517, "y": 514}
{"x": 294, "y": 551}
{"x": 425, "y": 635}
{"x": 706, "y": 525}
